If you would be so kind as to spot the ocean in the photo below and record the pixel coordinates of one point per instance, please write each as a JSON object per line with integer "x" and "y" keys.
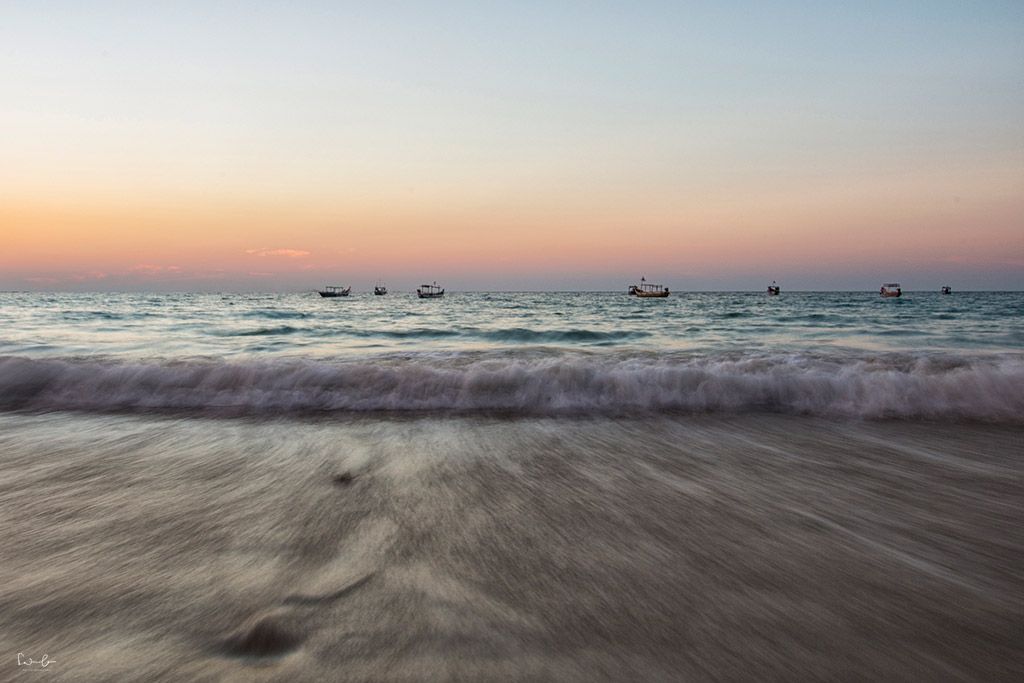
{"x": 513, "y": 486}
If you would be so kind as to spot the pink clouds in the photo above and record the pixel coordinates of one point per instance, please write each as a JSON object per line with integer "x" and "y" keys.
{"x": 286, "y": 253}
{"x": 151, "y": 269}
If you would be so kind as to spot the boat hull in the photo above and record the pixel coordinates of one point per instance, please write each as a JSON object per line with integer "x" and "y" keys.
{"x": 646, "y": 290}
{"x": 429, "y": 295}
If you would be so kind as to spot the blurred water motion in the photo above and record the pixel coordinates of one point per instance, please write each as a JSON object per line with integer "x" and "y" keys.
{"x": 485, "y": 548}
{"x": 496, "y": 486}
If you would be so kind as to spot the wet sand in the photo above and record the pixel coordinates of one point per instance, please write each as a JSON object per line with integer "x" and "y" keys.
{"x": 484, "y": 548}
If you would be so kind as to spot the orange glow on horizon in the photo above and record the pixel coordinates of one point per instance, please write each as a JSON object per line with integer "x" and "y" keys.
{"x": 540, "y": 234}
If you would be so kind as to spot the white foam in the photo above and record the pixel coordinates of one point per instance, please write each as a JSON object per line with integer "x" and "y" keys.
{"x": 894, "y": 386}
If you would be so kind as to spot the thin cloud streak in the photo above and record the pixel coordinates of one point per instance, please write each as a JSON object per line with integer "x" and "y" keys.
{"x": 286, "y": 253}
{"x": 153, "y": 269}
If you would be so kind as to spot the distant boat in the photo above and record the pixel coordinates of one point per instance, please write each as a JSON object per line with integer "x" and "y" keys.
{"x": 773, "y": 289}
{"x": 379, "y": 289}
{"x": 946, "y": 289}
{"x": 430, "y": 291}
{"x": 335, "y": 290}
{"x": 891, "y": 289}
{"x": 646, "y": 290}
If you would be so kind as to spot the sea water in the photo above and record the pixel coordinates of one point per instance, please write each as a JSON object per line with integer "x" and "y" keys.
{"x": 493, "y": 486}
{"x": 852, "y": 354}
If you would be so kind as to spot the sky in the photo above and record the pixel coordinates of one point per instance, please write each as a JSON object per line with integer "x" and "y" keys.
{"x": 229, "y": 146}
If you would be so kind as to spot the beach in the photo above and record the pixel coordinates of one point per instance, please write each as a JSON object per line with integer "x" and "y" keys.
{"x": 483, "y": 548}
{"x": 826, "y": 489}
{"x": 454, "y": 341}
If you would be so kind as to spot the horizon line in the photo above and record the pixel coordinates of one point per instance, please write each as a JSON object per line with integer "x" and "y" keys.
{"x": 497, "y": 291}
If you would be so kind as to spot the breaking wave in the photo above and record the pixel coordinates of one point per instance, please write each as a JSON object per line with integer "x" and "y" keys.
{"x": 901, "y": 386}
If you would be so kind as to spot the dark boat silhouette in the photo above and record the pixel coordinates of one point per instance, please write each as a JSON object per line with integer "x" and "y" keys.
{"x": 430, "y": 291}
{"x": 645, "y": 290}
{"x": 331, "y": 291}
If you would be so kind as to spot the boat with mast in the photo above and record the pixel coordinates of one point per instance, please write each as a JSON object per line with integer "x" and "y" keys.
{"x": 379, "y": 289}
{"x": 646, "y": 290}
{"x": 773, "y": 289}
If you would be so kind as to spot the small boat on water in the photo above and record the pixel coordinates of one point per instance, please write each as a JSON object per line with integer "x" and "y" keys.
{"x": 891, "y": 289}
{"x": 335, "y": 290}
{"x": 946, "y": 289}
{"x": 430, "y": 291}
{"x": 646, "y": 290}
{"x": 379, "y": 289}
{"x": 773, "y": 289}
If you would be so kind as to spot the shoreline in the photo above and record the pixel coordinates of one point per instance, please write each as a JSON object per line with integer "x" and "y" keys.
{"x": 477, "y": 547}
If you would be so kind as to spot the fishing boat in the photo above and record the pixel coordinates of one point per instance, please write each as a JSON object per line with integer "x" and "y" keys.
{"x": 379, "y": 289}
{"x": 335, "y": 290}
{"x": 946, "y": 289}
{"x": 430, "y": 291}
{"x": 891, "y": 289}
{"x": 646, "y": 290}
{"x": 773, "y": 289}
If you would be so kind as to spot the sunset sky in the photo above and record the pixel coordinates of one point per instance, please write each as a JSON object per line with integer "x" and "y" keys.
{"x": 522, "y": 145}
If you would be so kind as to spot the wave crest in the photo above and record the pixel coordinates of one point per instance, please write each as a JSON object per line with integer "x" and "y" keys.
{"x": 892, "y": 386}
